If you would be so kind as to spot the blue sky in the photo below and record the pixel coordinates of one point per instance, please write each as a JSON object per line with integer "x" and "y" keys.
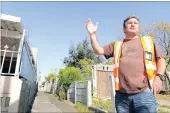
{"x": 52, "y": 25}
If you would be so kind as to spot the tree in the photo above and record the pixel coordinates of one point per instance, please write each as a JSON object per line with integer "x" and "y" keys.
{"x": 86, "y": 68}
{"x": 51, "y": 77}
{"x": 68, "y": 75}
{"x": 109, "y": 63}
{"x": 72, "y": 59}
{"x": 161, "y": 35}
{"x": 83, "y": 50}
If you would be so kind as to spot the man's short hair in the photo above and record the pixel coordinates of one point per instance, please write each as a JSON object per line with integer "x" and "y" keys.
{"x": 129, "y": 17}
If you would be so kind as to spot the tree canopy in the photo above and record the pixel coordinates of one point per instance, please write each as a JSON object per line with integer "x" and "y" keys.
{"x": 83, "y": 50}
{"x": 161, "y": 35}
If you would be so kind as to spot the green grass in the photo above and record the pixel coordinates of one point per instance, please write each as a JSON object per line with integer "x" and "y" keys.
{"x": 102, "y": 104}
{"x": 55, "y": 95}
{"x": 162, "y": 111}
{"x": 161, "y": 108}
{"x": 82, "y": 108}
{"x": 164, "y": 106}
{"x": 106, "y": 104}
{"x": 163, "y": 97}
{"x": 79, "y": 107}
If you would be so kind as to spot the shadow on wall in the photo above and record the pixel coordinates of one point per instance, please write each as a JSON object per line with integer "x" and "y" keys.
{"x": 33, "y": 100}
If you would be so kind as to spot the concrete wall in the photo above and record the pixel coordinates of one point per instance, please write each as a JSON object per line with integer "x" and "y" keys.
{"x": 10, "y": 90}
{"x": 47, "y": 87}
{"x": 71, "y": 93}
{"x": 80, "y": 92}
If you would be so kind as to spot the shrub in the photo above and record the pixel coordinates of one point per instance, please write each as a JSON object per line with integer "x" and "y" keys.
{"x": 68, "y": 75}
{"x": 62, "y": 94}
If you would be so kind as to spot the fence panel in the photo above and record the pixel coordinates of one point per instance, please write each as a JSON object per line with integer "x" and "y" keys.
{"x": 80, "y": 92}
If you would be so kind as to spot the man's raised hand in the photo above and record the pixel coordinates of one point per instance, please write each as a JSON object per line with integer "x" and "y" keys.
{"x": 90, "y": 27}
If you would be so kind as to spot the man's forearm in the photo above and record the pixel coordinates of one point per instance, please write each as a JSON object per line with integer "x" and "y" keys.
{"x": 161, "y": 66}
{"x": 96, "y": 47}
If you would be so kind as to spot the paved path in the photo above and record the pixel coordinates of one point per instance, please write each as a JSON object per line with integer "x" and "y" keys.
{"x": 164, "y": 102}
{"x": 43, "y": 104}
{"x": 65, "y": 107}
{"x": 47, "y": 103}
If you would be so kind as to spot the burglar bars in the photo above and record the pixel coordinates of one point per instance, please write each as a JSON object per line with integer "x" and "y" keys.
{"x": 5, "y": 51}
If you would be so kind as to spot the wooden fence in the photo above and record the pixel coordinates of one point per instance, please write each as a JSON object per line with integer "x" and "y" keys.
{"x": 101, "y": 82}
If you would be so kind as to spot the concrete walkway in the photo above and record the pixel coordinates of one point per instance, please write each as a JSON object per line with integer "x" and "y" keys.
{"x": 64, "y": 106}
{"x": 47, "y": 103}
{"x": 43, "y": 104}
{"x": 164, "y": 102}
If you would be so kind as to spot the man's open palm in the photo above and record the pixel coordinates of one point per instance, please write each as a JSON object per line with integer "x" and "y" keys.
{"x": 90, "y": 27}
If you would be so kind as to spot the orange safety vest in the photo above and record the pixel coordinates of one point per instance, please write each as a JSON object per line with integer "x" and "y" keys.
{"x": 149, "y": 57}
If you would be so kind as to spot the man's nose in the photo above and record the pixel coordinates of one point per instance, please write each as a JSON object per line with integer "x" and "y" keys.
{"x": 132, "y": 24}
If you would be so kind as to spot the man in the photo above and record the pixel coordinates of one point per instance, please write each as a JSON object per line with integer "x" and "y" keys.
{"x": 138, "y": 67}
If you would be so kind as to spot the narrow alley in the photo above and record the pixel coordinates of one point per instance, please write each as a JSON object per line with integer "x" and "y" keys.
{"x": 45, "y": 102}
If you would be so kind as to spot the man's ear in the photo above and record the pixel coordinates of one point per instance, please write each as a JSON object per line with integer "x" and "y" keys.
{"x": 124, "y": 30}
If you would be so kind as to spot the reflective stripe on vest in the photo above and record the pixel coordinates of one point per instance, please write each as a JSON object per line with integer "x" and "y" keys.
{"x": 117, "y": 49}
{"x": 149, "y": 57}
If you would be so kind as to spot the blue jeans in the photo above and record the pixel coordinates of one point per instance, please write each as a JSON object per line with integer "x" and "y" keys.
{"x": 143, "y": 102}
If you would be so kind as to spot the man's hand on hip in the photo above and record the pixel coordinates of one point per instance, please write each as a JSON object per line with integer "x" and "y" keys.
{"x": 157, "y": 84}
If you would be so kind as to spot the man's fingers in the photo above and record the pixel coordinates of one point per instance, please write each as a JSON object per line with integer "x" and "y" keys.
{"x": 155, "y": 91}
{"x": 90, "y": 24}
{"x": 88, "y": 20}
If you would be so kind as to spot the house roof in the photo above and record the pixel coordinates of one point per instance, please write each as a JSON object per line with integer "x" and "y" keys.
{"x": 11, "y": 23}
{"x": 11, "y": 32}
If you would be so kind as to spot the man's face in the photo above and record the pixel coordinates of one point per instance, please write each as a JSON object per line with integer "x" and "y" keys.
{"x": 132, "y": 27}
